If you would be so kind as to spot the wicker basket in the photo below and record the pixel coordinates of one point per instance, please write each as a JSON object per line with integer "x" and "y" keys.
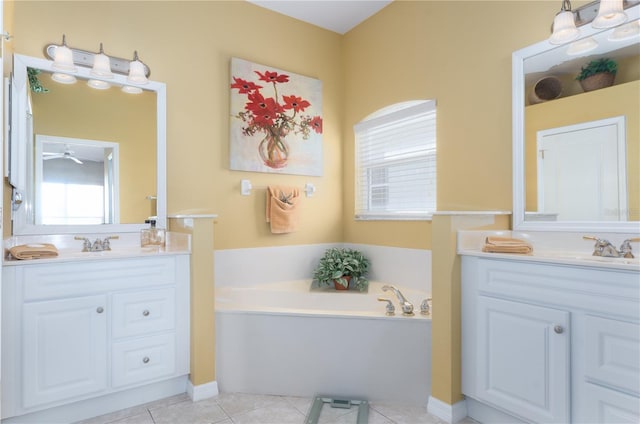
{"x": 597, "y": 81}
{"x": 547, "y": 88}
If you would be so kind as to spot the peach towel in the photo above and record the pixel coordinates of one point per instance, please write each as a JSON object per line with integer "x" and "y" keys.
{"x": 34, "y": 251}
{"x": 282, "y": 209}
{"x": 506, "y": 245}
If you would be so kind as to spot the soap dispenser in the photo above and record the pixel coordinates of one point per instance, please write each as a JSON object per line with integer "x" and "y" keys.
{"x": 152, "y": 236}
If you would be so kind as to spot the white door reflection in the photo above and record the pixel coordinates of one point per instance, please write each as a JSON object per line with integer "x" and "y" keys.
{"x": 582, "y": 171}
{"x": 76, "y": 181}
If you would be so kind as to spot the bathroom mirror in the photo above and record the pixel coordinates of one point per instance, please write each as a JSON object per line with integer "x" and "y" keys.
{"x": 571, "y": 119}
{"x": 105, "y": 148}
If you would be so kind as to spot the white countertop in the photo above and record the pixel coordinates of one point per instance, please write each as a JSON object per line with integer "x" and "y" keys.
{"x": 551, "y": 248}
{"x": 127, "y": 245}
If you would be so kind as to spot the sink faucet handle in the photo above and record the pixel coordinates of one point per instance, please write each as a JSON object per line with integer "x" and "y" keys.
{"x": 86, "y": 246}
{"x": 600, "y": 245}
{"x": 625, "y": 247}
{"x": 391, "y": 310}
{"x": 106, "y": 244}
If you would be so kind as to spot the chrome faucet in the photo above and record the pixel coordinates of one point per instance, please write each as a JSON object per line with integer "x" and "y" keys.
{"x": 96, "y": 246}
{"x": 407, "y": 307}
{"x": 606, "y": 249}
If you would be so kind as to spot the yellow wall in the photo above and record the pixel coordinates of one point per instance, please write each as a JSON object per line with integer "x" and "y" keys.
{"x": 78, "y": 111}
{"x": 459, "y": 53}
{"x": 188, "y": 45}
{"x": 618, "y": 100}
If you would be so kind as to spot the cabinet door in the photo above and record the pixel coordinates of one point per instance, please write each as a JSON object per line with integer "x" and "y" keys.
{"x": 65, "y": 349}
{"x": 523, "y": 359}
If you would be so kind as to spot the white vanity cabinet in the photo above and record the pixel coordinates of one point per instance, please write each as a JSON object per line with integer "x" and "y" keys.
{"x": 550, "y": 343}
{"x": 83, "y": 329}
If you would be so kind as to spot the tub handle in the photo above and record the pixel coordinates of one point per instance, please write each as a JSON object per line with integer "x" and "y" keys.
{"x": 391, "y": 310}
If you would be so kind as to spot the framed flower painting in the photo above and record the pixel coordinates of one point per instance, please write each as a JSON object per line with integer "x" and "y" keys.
{"x": 276, "y": 120}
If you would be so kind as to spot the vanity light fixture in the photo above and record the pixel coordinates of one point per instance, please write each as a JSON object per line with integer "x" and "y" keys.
{"x": 582, "y": 46}
{"x": 63, "y": 78}
{"x": 63, "y": 58}
{"x": 600, "y": 13}
{"x": 129, "y": 89}
{"x": 67, "y": 58}
{"x": 564, "y": 25}
{"x": 610, "y": 14}
{"x": 625, "y": 32}
{"x": 136, "y": 71}
{"x": 101, "y": 65}
{"x": 98, "y": 84}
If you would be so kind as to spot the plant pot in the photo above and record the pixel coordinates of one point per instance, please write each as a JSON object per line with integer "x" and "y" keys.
{"x": 339, "y": 286}
{"x": 597, "y": 81}
{"x": 545, "y": 89}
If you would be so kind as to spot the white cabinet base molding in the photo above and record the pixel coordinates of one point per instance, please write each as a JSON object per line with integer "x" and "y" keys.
{"x": 104, "y": 404}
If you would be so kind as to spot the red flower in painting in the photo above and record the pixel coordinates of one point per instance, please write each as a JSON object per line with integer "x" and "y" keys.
{"x": 244, "y": 86}
{"x": 274, "y": 118}
{"x": 273, "y": 77}
{"x": 316, "y": 124}
{"x": 258, "y": 105}
{"x": 296, "y": 103}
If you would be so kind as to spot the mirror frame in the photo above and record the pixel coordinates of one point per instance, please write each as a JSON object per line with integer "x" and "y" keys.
{"x": 20, "y": 162}
{"x": 518, "y": 110}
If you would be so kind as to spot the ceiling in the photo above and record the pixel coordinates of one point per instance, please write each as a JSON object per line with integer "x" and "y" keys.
{"x": 335, "y": 15}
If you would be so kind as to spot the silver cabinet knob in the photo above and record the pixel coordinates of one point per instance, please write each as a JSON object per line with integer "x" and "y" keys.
{"x": 558, "y": 329}
{"x": 145, "y": 313}
{"x": 100, "y": 309}
{"x": 145, "y": 359}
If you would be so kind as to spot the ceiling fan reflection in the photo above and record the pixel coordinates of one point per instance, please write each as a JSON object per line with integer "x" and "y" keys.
{"x": 67, "y": 154}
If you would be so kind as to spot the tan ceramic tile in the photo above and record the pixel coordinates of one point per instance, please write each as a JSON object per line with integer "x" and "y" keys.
{"x": 202, "y": 412}
{"x": 115, "y": 416}
{"x": 406, "y": 414}
{"x": 274, "y": 414}
{"x": 235, "y": 403}
{"x": 144, "y": 418}
{"x": 302, "y": 404}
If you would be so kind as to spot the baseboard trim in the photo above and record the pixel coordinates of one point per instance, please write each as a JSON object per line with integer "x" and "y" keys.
{"x": 103, "y": 404}
{"x": 449, "y": 413}
{"x": 202, "y": 391}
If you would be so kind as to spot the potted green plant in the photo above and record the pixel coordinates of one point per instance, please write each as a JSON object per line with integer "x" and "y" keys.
{"x": 340, "y": 265}
{"x": 597, "y": 74}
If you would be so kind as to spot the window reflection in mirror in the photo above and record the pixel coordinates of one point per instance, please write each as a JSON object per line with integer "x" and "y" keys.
{"x": 77, "y": 112}
{"x": 76, "y": 181}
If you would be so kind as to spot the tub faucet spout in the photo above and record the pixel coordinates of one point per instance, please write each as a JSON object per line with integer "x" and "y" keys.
{"x": 407, "y": 307}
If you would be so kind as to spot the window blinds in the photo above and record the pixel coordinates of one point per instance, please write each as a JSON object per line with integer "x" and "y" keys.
{"x": 396, "y": 164}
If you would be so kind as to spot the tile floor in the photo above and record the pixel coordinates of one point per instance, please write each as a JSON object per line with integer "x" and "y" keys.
{"x": 238, "y": 408}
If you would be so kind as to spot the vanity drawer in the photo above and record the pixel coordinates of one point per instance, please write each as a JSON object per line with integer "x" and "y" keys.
{"x": 143, "y": 312}
{"x": 143, "y": 359}
{"x": 44, "y": 281}
{"x": 614, "y": 293}
{"x": 612, "y": 350}
{"x": 604, "y": 406}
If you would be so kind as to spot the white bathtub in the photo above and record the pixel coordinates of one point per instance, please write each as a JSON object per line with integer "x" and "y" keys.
{"x": 280, "y": 338}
